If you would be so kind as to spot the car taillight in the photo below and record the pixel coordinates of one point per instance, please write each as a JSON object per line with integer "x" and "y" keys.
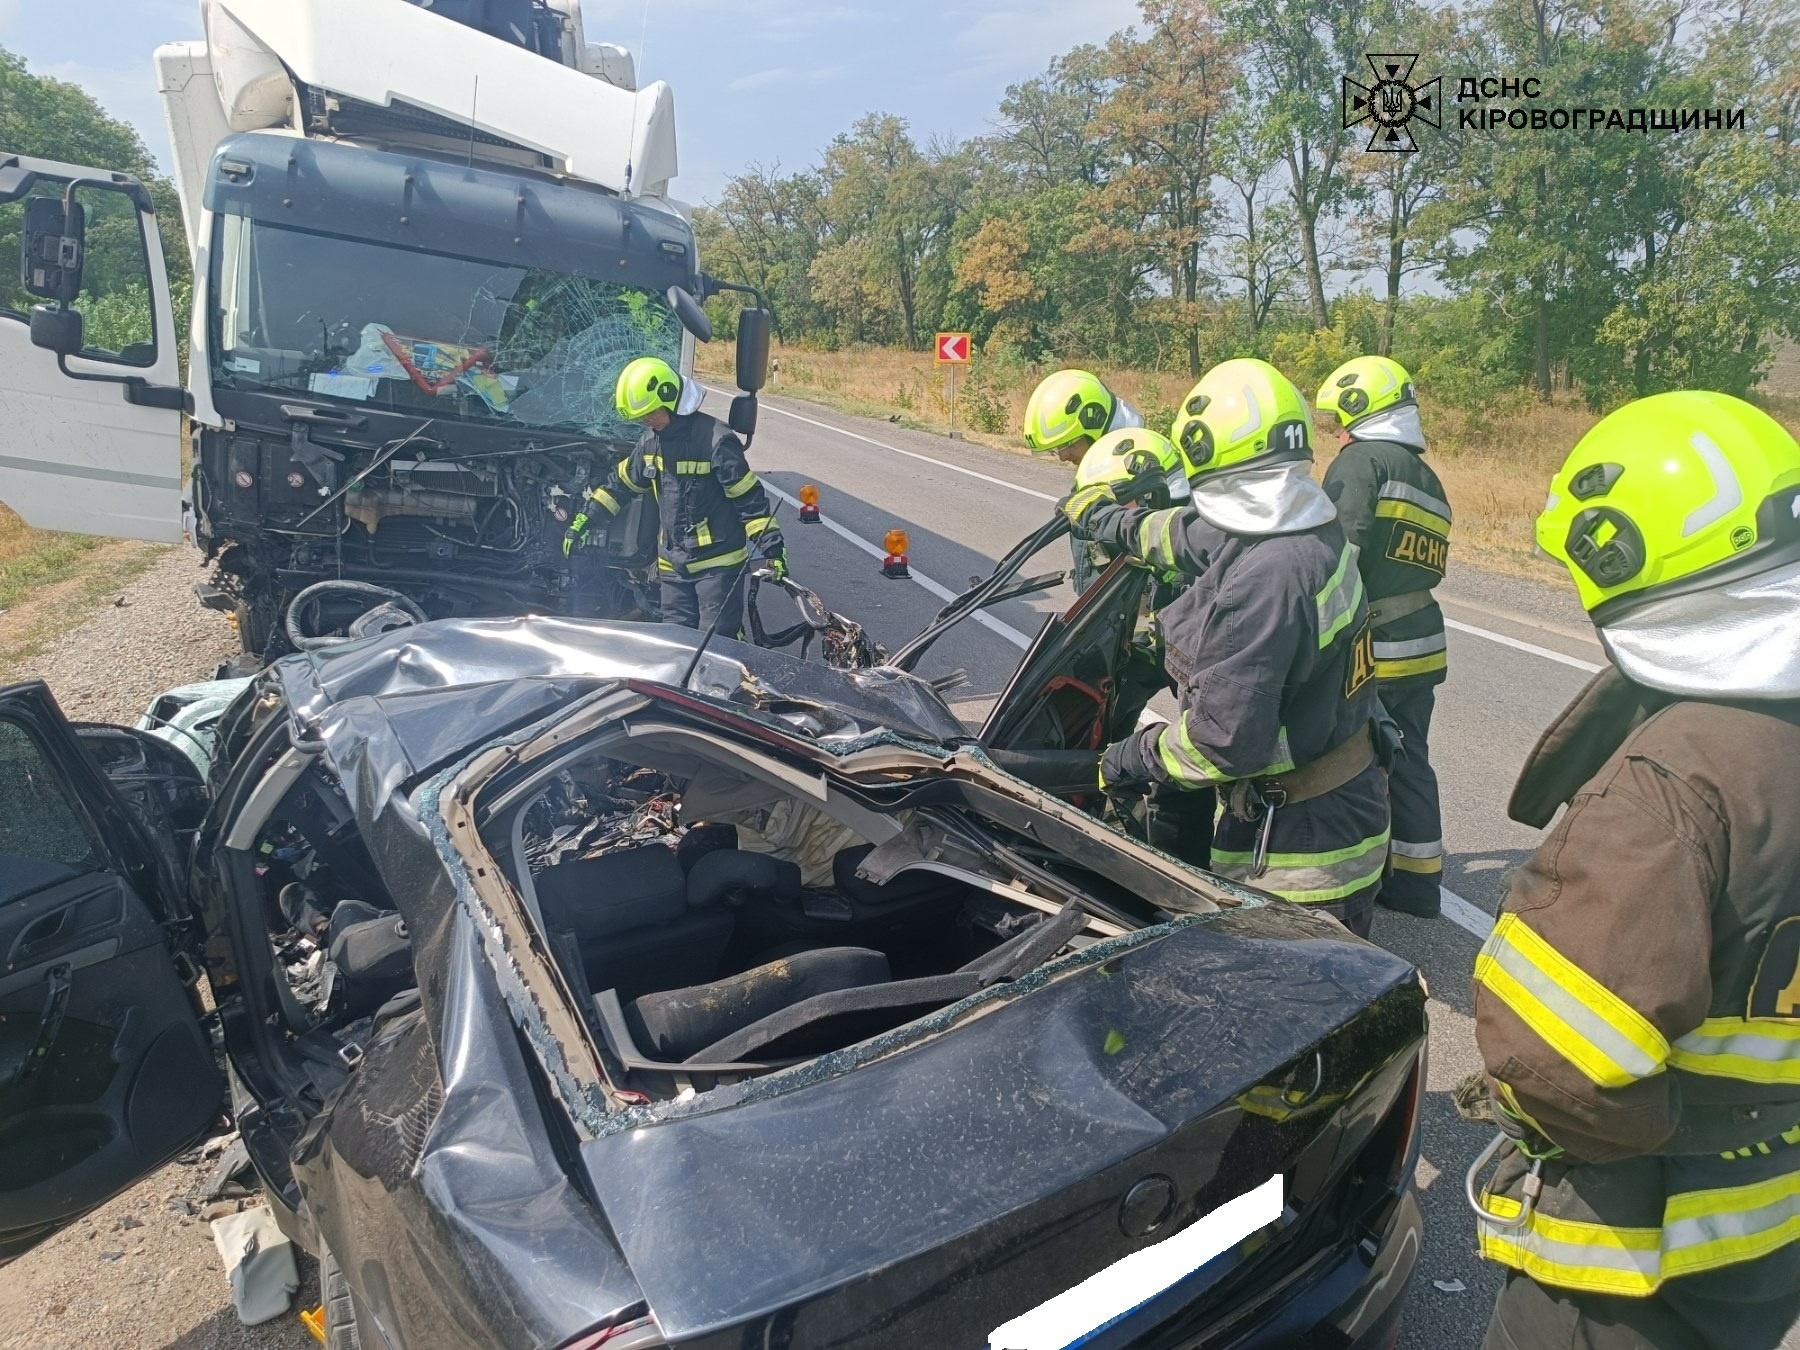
{"x": 639, "y": 1333}
{"x": 1404, "y": 1120}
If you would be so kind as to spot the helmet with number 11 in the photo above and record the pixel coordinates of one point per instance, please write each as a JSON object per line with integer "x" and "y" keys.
{"x": 1244, "y": 413}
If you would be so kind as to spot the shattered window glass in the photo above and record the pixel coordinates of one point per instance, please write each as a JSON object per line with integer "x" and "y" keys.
{"x": 41, "y": 838}
{"x": 410, "y": 331}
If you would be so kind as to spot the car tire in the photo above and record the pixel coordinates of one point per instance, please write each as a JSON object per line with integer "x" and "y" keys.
{"x": 340, "y": 1308}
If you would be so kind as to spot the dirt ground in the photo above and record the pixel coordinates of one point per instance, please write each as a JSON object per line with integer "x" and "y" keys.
{"x": 142, "y": 1269}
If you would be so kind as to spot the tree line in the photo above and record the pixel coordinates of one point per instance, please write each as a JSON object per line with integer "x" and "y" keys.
{"x": 1186, "y": 191}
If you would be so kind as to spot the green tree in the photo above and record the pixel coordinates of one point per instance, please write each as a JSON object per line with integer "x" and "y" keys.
{"x": 1169, "y": 87}
{"x": 1296, "y": 54}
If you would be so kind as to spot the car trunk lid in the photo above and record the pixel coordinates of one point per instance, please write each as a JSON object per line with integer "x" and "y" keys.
{"x": 963, "y": 1178}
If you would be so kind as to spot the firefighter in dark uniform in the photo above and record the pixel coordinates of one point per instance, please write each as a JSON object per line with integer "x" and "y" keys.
{"x": 712, "y": 509}
{"x": 1393, "y": 508}
{"x": 1067, "y": 413}
{"x": 1268, "y": 649}
{"x": 1638, "y": 1005}
{"x": 1177, "y": 820}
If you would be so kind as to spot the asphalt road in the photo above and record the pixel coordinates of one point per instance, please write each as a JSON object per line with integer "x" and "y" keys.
{"x": 1518, "y": 653}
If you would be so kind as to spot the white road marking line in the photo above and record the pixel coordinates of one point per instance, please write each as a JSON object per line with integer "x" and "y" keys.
{"x": 1561, "y": 658}
{"x": 1460, "y": 912}
{"x": 913, "y": 454}
{"x": 1469, "y": 628}
{"x": 987, "y": 621}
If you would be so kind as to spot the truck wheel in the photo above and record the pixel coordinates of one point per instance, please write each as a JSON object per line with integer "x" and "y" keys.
{"x": 340, "y": 1309}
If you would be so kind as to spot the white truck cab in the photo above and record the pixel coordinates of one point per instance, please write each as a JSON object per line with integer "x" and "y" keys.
{"x": 426, "y": 235}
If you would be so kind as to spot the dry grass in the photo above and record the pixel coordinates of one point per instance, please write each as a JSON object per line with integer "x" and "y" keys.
{"x": 49, "y": 581}
{"x": 1495, "y": 470}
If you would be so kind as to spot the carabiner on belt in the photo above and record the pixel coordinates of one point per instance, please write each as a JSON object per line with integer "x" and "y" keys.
{"x": 1272, "y": 798}
{"x": 1532, "y": 1188}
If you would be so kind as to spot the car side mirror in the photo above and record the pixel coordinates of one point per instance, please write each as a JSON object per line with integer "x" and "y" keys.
{"x": 692, "y": 317}
{"x": 754, "y": 327}
{"x": 52, "y": 248}
{"x": 57, "y": 330}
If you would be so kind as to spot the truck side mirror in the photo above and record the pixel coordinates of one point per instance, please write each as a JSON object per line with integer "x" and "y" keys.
{"x": 58, "y": 330}
{"x": 753, "y": 329}
{"x": 692, "y": 317}
{"x": 52, "y": 248}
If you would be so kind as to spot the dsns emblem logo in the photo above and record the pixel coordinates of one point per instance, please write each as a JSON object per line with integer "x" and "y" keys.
{"x": 1392, "y": 102}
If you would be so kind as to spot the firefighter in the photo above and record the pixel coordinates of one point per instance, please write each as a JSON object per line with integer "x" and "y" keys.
{"x": 1637, "y": 1007}
{"x": 713, "y": 510}
{"x": 1393, "y": 508}
{"x": 1145, "y": 466}
{"x": 1067, "y": 413}
{"x": 1268, "y": 649}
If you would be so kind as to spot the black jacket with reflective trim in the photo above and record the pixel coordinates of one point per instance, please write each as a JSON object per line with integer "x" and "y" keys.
{"x": 709, "y": 503}
{"x": 1266, "y": 646}
{"x": 1393, "y": 508}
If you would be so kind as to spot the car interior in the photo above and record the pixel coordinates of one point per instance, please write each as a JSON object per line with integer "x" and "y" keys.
{"x": 715, "y": 923}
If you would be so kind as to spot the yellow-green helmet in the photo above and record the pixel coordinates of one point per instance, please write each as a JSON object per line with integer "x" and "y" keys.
{"x": 1133, "y": 453}
{"x": 1676, "y": 492}
{"x": 1065, "y": 407}
{"x": 645, "y": 385}
{"x": 1363, "y": 387}
{"x": 1242, "y": 412}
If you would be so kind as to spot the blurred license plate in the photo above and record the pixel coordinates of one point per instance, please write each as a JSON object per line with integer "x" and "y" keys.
{"x": 1076, "y": 1315}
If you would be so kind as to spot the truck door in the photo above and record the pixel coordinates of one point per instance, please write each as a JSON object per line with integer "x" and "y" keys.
{"x": 92, "y": 431}
{"x": 105, "y": 1072}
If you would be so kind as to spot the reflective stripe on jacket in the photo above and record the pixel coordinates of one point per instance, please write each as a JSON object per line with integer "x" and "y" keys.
{"x": 1268, "y": 650}
{"x": 711, "y": 507}
{"x": 1393, "y": 508}
{"x": 1639, "y": 1001}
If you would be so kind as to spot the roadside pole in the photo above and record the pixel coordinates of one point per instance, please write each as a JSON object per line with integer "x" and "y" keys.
{"x": 953, "y": 352}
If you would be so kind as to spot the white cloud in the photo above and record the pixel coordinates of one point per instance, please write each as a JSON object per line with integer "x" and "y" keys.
{"x": 752, "y": 19}
{"x": 1014, "y": 42}
{"x": 759, "y": 79}
{"x": 785, "y": 76}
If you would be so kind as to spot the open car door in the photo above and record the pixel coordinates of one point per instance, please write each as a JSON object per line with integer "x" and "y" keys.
{"x": 1073, "y": 691}
{"x": 90, "y": 397}
{"x": 105, "y": 1071}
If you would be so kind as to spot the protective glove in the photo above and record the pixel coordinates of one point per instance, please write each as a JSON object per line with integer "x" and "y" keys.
{"x": 773, "y": 548}
{"x": 577, "y": 531}
{"x": 1079, "y": 503}
{"x": 1121, "y": 768}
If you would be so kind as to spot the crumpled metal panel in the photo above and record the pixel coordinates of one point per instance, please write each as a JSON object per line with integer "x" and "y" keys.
{"x": 574, "y": 654}
{"x": 484, "y": 1241}
{"x": 974, "y": 1174}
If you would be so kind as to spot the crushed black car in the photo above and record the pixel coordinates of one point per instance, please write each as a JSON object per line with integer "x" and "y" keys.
{"x": 578, "y": 988}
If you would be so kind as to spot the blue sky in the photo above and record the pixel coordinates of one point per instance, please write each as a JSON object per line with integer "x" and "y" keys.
{"x": 765, "y": 81}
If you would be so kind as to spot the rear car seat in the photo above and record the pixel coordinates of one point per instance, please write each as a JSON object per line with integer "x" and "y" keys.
{"x": 632, "y": 921}
{"x": 680, "y": 1022}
